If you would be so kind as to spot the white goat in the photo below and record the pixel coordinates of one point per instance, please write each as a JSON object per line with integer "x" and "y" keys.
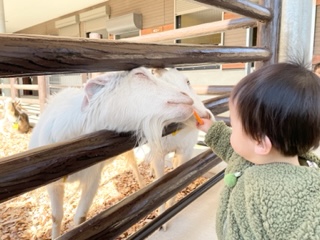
{"x": 124, "y": 101}
{"x": 183, "y": 141}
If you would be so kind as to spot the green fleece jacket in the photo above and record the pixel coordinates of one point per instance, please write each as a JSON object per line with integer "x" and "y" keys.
{"x": 277, "y": 201}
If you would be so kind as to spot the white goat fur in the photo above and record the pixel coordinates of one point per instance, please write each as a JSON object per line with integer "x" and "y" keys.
{"x": 183, "y": 141}
{"x": 128, "y": 101}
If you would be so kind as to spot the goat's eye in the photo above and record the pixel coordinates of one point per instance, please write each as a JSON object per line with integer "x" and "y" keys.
{"x": 188, "y": 82}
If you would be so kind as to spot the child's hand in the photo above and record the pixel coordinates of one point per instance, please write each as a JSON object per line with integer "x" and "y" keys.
{"x": 207, "y": 123}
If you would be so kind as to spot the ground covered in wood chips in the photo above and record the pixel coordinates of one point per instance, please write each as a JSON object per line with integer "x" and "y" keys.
{"x": 28, "y": 216}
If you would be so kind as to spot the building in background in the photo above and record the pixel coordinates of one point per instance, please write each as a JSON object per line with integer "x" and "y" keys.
{"x": 116, "y": 19}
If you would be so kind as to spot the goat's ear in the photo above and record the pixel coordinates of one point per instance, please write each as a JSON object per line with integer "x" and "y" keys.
{"x": 92, "y": 87}
{"x": 158, "y": 72}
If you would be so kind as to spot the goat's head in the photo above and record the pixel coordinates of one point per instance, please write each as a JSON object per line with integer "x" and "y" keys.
{"x": 176, "y": 78}
{"x": 136, "y": 100}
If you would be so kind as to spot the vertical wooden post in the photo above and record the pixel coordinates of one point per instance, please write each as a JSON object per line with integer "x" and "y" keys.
{"x": 94, "y": 35}
{"x": 42, "y": 88}
{"x": 269, "y": 32}
{"x": 84, "y": 78}
{"x": 13, "y": 90}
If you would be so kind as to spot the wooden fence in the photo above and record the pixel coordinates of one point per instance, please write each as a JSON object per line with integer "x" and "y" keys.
{"x": 26, "y": 55}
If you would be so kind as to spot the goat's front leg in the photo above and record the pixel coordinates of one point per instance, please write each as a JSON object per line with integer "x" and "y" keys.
{"x": 89, "y": 184}
{"x": 56, "y": 194}
{"x": 158, "y": 165}
{"x": 131, "y": 160}
{"x": 180, "y": 157}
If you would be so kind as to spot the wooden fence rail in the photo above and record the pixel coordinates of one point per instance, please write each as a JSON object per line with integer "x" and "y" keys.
{"x": 246, "y": 8}
{"x": 29, "y": 55}
{"x": 195, "y": 31}
{"x": 211, "y": 89}
{"x": 23, "y": 87}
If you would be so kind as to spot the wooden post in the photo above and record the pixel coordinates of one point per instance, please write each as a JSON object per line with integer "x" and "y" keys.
{"x": 84, "y": 78}
{"x": 42, "y": 90}
{"x": 13, "y": 90}
{"x": 94, "y": 35}
{"x": 269, "y": 32}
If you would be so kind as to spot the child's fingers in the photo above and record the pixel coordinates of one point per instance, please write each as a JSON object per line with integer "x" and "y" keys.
{"x": 207, "y": 123}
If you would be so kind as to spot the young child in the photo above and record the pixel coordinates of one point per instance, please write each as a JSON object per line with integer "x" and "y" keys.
{"x": 272, "y": 183}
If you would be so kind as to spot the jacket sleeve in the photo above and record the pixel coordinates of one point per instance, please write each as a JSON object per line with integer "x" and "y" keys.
{"x": 311, "y": 156}
{"x": 218, "y": 139}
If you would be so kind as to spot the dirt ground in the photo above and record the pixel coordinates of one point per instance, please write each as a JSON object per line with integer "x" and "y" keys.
{"x": 28, "y": 216}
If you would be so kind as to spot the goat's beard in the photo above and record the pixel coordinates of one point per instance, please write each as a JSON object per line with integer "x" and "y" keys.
{"x": 151, "y": 133}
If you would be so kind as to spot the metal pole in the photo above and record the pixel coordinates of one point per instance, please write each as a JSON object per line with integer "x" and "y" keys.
{"x": 312, "y": 26}
{"x": 249, "y": 36}
{"x": 297, "y": 19}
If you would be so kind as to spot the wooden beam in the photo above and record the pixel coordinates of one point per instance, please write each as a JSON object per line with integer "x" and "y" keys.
{"x": 27, "y": 55}
{"x": 24, "y": 100}
{"x": 28, "y": 170}
{"x": 219, "y": 104}
{"x": 212, "y": 89}
{"x": 26, "y": 86}
{"x": 28, "y": 100}
{"x": 268, "y": 36}
{"x": 225, "y": 119}
{"x": 245, "y": 8}
{"x": 13, "y": 90}
{"x": 195, "y": 31}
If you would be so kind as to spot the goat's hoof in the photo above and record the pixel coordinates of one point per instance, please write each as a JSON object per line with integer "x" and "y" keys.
{"x": 163, "y": 227}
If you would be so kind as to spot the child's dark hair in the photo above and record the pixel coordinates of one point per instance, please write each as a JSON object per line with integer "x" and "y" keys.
{"x": 281, "y": 101}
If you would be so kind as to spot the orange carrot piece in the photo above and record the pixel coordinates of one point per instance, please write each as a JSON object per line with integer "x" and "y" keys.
{"x": 199, "y": 120}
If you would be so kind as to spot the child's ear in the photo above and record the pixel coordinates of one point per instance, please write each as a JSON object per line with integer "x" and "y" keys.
{"x": 263, "y": 146}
